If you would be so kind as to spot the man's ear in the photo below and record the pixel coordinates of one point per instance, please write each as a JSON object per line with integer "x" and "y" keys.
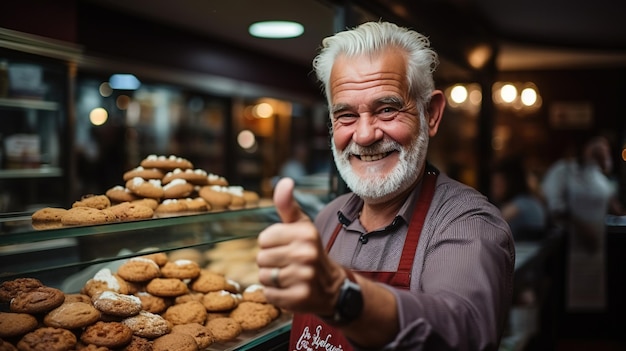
{"x": 435, "y": 111}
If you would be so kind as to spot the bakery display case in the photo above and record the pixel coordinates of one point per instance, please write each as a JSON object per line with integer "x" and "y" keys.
{"x": 66, "y": 257}
{"x": 36, "y": 86}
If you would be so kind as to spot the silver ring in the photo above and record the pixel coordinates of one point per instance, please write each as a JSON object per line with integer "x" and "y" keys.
{"x": 274, "y": 277}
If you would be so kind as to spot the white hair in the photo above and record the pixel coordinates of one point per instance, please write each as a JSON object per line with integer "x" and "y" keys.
{"x": 372, "y": 38}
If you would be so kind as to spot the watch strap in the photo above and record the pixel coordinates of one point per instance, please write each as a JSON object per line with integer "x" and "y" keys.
{"x": 337, "y": 319}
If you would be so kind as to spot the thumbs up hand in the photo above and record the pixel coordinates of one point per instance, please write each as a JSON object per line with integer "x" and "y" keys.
{"x": 286, "y": 205}
{"x": 297, "y": 273}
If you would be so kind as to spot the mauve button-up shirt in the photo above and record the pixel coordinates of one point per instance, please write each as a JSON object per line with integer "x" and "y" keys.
{"x": 462, "y": 278}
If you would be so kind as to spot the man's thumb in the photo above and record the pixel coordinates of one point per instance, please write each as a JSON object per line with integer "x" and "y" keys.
{"x": 286, "y": 205}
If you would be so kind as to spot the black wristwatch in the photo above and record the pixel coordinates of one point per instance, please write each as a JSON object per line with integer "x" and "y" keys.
{"x": 350, "y": 303}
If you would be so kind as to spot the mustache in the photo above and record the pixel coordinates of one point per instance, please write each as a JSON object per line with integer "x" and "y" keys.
{"x": 380, "y": 147}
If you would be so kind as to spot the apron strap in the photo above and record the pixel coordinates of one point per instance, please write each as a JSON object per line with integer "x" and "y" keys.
{"x": 417, "y": 222}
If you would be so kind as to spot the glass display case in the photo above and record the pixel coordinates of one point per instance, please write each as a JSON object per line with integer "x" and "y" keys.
{"x": 60, "y": 257}
{"x": 36, "y": 78}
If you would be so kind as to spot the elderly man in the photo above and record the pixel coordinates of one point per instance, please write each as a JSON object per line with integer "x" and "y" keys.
{"x": 409, "y": 259}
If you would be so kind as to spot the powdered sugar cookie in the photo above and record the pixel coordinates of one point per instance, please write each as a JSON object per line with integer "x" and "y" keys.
{"x": 181, "y": 269}
{"x": 116, "y": 304}
{"x": 218, "y": 301}
{"x": 118, "y": 194}
{"x": 159, "y": 258}
{"x": 145, "y": 173}
{"x": 166, "y": 163}
{"x": 145, "y": 188}
{"x": 171, "y": 206}
{"x": 148, "y": 325}
{"x": 215, "y": 179}
{"x": 237, "y": 200}
{"x": 192, "y": 176}
{"x": 216, "y": 196}
{"x": 177, "y": 188}
{"x": 254, "y": 293}
{"x": 105, "y": 280}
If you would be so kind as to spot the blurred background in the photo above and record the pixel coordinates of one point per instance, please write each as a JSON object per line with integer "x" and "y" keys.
{"x": 88, "y": 88}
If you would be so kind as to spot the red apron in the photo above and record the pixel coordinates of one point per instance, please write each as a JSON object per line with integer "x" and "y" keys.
{"x": 311, "y": 333}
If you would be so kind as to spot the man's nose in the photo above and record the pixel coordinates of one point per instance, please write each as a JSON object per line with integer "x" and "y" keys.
{"x": 367, "y": 131}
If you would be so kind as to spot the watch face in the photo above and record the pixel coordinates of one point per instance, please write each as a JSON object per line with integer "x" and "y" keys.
{"x": 351, "y": 302}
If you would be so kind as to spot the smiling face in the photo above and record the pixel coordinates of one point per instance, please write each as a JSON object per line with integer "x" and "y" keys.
{"x": 379, "y": 140}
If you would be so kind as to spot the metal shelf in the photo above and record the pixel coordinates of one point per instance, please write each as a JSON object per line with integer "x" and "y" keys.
{"x": 43, "y": 172}
{"x": 31, "y": 104}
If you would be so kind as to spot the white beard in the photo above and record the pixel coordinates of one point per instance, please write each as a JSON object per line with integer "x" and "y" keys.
{"x": 373, "y": 186}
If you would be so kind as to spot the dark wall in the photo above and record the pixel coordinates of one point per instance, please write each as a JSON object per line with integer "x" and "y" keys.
{"x": 50, "y": 19}
{"x": 604, "y": 89}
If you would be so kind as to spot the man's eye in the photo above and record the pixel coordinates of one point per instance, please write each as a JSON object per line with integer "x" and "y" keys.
{"x": 346, "y": 118}
{"x": 387, "y": 113}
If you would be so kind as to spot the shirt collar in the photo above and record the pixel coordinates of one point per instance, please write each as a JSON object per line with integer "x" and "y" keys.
{"x": 352, "y": 207}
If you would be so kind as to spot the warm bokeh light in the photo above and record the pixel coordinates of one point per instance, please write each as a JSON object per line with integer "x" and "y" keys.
{"x": 520, "y": 97}
{"x": 246, "y": 139}
{"x": 528, "y": 96}
{"x": 105, "y": 89}
{"x": 465, "y": 96}
{"x": 263, "y": 110}
{"x": 458, "y": 94}
{"x": 133, "y": 113}
{"x": 479, "y": 56}
{"x": 122, "y": 102}
{"x": 98, "y": 116}
{"x": 508, "y": 93}
{"x": 476, "y": 97}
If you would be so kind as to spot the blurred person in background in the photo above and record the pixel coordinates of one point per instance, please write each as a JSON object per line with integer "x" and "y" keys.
{"x": 579, "y": 194}
{"x": 521, "y": 207}
{"x": 410, "y": 259}
{"x": 295, "y": 166}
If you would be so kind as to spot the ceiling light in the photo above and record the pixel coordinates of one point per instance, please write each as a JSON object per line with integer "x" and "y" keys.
{"x": 276, "y": 29}
{"x": 124, "y": 82}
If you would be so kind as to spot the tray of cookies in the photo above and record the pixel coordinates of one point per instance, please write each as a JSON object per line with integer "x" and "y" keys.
{"x": 160, "y": 186}
{"x": 155, "y": 300}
